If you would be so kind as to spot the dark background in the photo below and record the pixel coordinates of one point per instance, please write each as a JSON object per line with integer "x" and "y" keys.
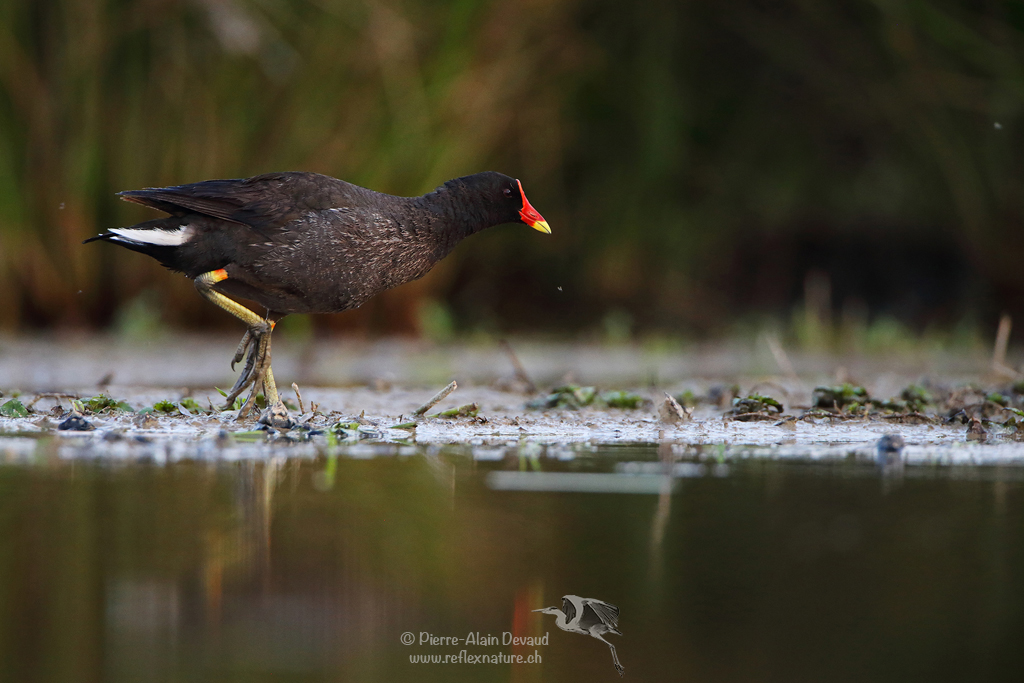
{"x": 705, "y": 167}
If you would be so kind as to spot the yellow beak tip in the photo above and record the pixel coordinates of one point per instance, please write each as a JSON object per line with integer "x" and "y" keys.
{"x": 542, "y": 226}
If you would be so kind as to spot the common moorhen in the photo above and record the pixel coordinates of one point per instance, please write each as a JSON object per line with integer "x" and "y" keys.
{"x": 308, "y": 243}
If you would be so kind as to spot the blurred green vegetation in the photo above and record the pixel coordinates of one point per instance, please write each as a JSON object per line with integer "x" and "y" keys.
{"x": 700, "y": 163}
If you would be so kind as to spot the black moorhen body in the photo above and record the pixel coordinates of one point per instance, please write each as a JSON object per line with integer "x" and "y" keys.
{"x": 308, "y": 243}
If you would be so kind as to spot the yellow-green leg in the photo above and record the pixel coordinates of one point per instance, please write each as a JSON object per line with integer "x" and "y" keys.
{"x": 255, "y": 347}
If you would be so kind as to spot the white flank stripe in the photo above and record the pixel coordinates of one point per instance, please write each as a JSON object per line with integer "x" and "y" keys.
{"x": 163, "y": 238}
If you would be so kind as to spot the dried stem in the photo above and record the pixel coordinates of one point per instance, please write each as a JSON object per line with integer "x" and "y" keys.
{"x": 438, "y": 397}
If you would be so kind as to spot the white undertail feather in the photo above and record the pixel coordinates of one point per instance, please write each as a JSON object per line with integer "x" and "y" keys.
{"x": 157, "y": 236}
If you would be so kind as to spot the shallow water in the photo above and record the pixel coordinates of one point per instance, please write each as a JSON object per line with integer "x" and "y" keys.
{"x": 295, "y": 566}
{"x": 182, "y": 547}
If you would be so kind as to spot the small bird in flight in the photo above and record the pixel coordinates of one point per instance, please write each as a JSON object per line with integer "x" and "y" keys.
{"x": 590, "y": 617}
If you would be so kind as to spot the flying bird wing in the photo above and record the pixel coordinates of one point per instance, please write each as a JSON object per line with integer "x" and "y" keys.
{"x": 596, "y": 612}
{"x": 568, "y": 609}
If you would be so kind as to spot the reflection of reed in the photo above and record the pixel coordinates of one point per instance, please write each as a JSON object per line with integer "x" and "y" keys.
{"x": 243, "y": 551}
{"x": 661, "y": 514}
{"x": 282, "y": 590}
{"x": 249, "y": 548}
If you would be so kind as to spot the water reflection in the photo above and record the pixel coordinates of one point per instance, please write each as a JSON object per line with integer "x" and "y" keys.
{"x": 667, "y": 460}
{"x": 311, "y": 568}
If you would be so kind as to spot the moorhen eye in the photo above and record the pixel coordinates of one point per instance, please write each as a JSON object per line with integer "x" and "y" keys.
{"x": 507, "y": 192}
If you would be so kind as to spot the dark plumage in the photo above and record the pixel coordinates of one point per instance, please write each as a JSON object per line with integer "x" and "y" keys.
{"x": 309, "y": 243}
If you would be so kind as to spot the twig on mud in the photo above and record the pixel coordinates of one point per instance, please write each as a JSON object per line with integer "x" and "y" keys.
{"x": 438, "y": 397}
{"x": 295, "y": 388}
{"x": 520, "y": 371}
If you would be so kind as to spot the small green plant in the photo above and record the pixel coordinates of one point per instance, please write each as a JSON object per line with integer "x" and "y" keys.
{"x": 568, "y": 396}
{"x": 840, "y": 396}
{"x": 13, "y": 408}
{"x": 575, "y": 397}
{"x": 916, "y": 397}
{"x": 191, "y": 405}
{"x": 626, "y": 400}
{"x": 468, "y": 410}
{"x": 755, "y": 403}
{"x": 103, "y": 403}
{"x": 343, "y": 431}
{"x": 166, "y": 406}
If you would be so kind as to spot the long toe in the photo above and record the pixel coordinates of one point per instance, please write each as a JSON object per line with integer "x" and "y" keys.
{"x": 254, "y": 345}
{"x": 260, "y": 357}
{"x": 277, "y": 416}
{"x": 242, "y": 348}
{"x": 245, "y": 379}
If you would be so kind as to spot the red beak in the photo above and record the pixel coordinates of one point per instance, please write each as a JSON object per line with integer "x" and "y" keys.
{"x": 530, "y": 216}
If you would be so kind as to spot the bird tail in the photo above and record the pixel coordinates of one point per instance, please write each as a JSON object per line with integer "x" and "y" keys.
{"x": 128, "y": 238}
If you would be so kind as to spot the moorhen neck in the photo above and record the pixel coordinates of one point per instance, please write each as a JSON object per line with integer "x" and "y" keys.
{"x": 308, "y": 243}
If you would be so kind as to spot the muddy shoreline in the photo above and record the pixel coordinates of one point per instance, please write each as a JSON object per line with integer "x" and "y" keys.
{"x": 363, "y": 390}
{"x": 503, "y": 427}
